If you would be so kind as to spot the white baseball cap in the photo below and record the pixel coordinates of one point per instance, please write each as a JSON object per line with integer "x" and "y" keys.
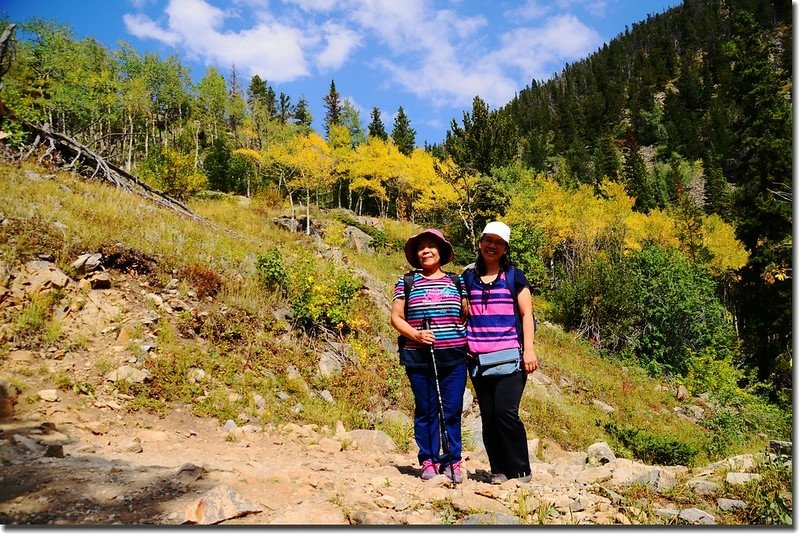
{"x": 500, "y": 229}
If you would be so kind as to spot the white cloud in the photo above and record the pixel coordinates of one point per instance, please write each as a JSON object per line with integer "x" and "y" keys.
{"x": 340, "y": 42}
{"x": 531, "y": 50}
{"x": 441, "y": 56}
{"x": 141, "y": 26}
{"x": 273, "y": 50}
{"x": 314, "y": 5}
{"x": 532, "y": 10}
{"x": 595, "y": 7}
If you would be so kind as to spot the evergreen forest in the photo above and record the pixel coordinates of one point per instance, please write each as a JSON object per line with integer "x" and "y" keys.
{"x": 648, "y": 186}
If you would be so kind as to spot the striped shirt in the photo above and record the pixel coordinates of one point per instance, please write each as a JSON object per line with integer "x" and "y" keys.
{"x": 438, "y": 300}
{"x": 492, "y": 324}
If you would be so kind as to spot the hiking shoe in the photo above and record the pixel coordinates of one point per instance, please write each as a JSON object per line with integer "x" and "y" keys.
{"x": 430, "y": 470}
{"x": 456, "y": 474}
{"x": 498, "y": 479}
{"x": 524, "y": 479}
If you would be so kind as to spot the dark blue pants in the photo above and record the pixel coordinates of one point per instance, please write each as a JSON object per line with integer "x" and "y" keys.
{"x": 503, "y": 432}
{"x": 452, "y": 382}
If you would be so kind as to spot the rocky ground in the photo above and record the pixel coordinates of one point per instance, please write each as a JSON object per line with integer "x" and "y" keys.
{"x": 72, "y": 459}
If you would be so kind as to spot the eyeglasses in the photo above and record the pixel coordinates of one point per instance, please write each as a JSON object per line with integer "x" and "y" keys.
{"x": 489, "y": 241}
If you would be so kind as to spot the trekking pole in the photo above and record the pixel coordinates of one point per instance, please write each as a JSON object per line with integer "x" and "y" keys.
{"x": 445, "y": 437}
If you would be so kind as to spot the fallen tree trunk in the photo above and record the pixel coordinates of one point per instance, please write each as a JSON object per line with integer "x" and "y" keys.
{"x": 81, "y": 157}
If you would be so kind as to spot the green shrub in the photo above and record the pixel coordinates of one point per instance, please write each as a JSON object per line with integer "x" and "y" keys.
{"x": 654, "y": 301}
{"x": 271, "y": 270}
{"x": 651, "y": 448}
{"x": 769, "y": 499}
{"x": 525, "y": 254}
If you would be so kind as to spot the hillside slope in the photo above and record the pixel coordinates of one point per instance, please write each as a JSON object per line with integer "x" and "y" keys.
{"x": 99, "y": 317}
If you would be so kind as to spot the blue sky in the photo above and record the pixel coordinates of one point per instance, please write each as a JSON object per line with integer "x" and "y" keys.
{"x": 430, "y": 57}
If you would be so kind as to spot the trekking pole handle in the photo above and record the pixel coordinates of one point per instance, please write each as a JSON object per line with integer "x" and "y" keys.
{"x": 426, "y": 324}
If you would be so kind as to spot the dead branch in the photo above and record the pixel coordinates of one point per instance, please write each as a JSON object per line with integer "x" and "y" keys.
{"x": 81, "y": 156}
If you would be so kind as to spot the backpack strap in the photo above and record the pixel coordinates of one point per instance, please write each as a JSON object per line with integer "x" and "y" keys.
{"x": 510, "y": 280}
{"x": 408, "y": 282}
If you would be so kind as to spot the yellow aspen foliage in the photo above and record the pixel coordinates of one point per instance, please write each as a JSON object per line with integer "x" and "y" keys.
{"x": 372, "y": 165}
{"x": 310, "y": 156}
{"x": 339, "y": 137}
{"x": 423, "y": 186}
{"x": 583, "y": 224}
{"x": 251, "y": 154}
{"x": 303, "y": 162}
{"x": 719, "y": 238}
{"x": 656, "y": 227}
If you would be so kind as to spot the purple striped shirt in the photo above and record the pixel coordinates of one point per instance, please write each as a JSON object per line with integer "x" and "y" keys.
{"x": 491, "y": 325}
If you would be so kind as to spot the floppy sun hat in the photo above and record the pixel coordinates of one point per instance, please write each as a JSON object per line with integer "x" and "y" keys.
{"x": 500, "y": 229}
{"x": 445, "y": 249}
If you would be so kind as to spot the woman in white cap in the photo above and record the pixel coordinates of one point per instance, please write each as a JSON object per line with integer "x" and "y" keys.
{"x": 428, "y": 310}
{"x": 500, "y": 322}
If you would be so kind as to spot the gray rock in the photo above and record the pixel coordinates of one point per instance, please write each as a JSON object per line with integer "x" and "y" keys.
{"x": 128, "y": 373}
{"x": 218, "y": 504}
{"x": 600, "y": 453}
{"x": 703, "y": 487}
{"x": 658, "y": 479}
{"x": 726, "y": 504}
{"x": 372, "y": 440}
{"x": 665, "y": 513}
{"x": 694, "y": 515}
{"x": 740, "y": 478}
{"x": 87, "y": 262}
{"x": 327, "y": 396}
{"x": 490, "y": 519}
{"x": 603, "y": 406}
{"x": 395, "y": 417}
{"x": 28, "y": 445}
{"x": 330, "y": 363}
{"x": 358, "y": 239}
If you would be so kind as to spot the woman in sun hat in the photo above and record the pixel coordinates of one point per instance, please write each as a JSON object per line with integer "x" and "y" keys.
{"x": 500, "y": 321}
{"x": 428, "y": 295}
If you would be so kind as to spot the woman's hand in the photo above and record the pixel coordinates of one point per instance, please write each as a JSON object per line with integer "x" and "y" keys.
{"x": 425, "y": 337}
{"x": 529, "y": 360}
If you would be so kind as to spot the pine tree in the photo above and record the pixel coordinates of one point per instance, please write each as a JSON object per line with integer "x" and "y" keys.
{"x": 376, "y": 128}
{"x": 256, "y": 92}
{"x": 351, "y": 119}
{"x": 236, "y": 102}
{"x": 403, "y": 135}
{"x": 636, "y": 183}
{"x": 333, "y": 108}
{"x": 284, "y": 108}
{"x": 302, "y": 115}
{"x": 763, "y": 200}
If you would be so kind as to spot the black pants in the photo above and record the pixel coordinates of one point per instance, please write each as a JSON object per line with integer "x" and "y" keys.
{"x": 503, "y": 432}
